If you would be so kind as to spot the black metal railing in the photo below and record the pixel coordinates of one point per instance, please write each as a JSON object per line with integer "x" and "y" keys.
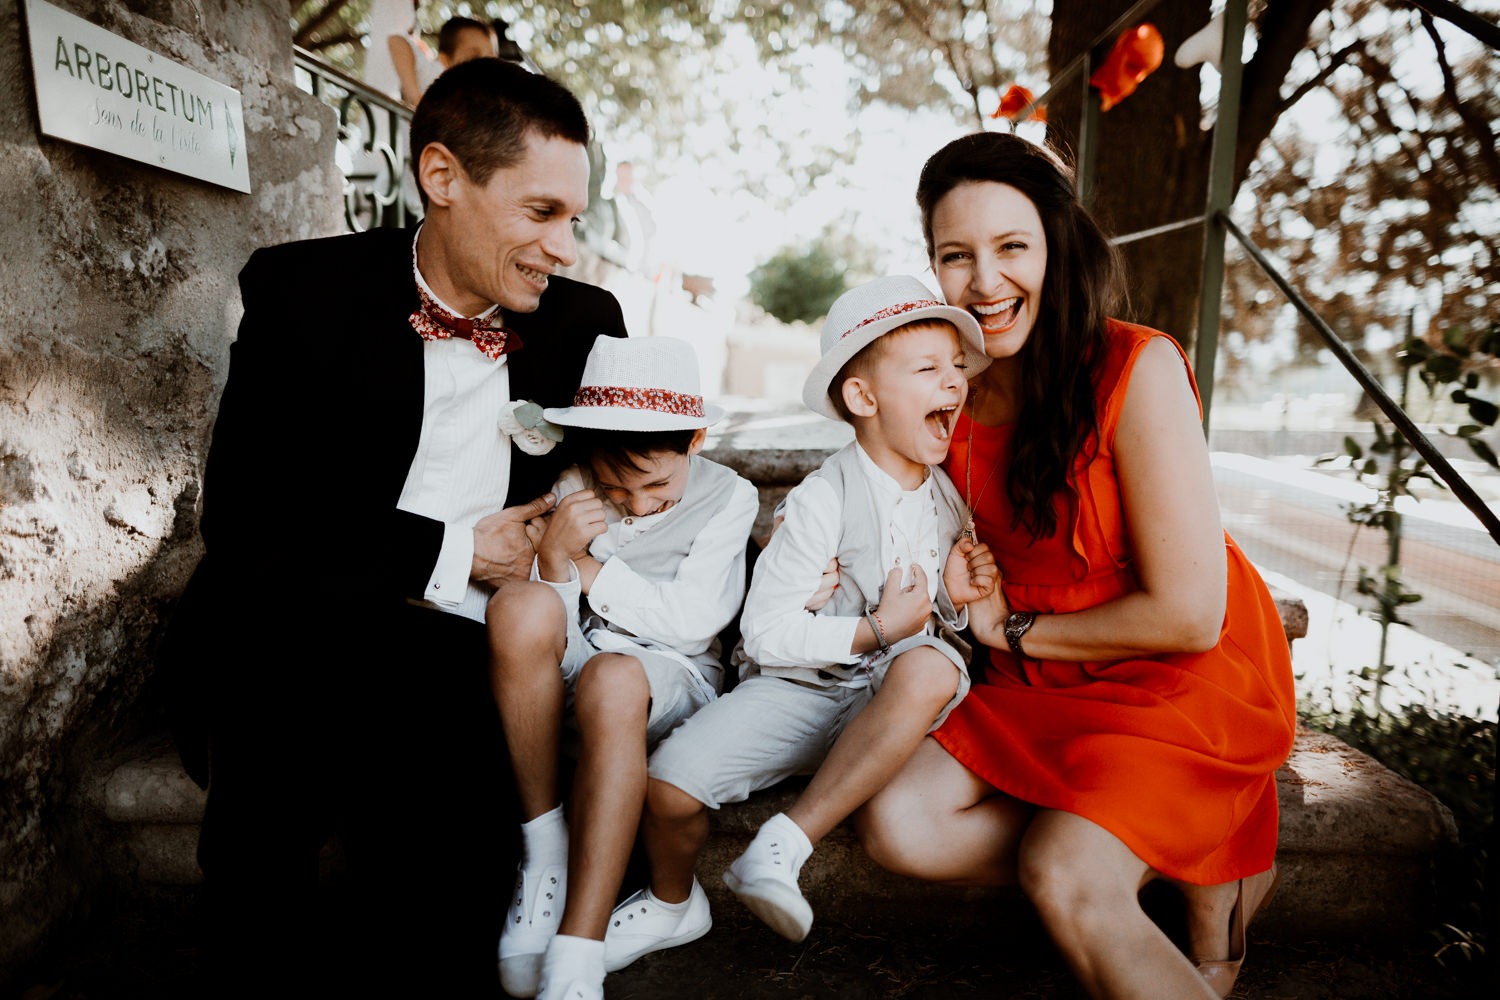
{"x": 374, "y": 149}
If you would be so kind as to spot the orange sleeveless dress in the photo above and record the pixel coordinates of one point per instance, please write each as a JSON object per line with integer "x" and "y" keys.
{"x": 1174, "y": 754}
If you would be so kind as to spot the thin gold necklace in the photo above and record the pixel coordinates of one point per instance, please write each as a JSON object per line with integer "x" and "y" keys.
{"x": 970, "y": 498}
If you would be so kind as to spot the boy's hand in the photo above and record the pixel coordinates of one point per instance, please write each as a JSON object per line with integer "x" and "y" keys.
{"x": 577, "y": 520}
{"x": 970, "y": 572}
{"x": 904, "y": 610}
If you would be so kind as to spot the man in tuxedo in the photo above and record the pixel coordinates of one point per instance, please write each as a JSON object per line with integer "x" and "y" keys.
{"x": 362, "y": 499}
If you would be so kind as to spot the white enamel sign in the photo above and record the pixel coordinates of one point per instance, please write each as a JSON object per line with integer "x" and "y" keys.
{"x": 99, "y": 90}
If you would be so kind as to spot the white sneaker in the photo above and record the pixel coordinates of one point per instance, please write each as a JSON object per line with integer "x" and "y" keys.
{"x": 535, "y": 913}
{"x": 765, "y": 880}
{"x": 576, "y": 989}
{"x": 641, "y": 925}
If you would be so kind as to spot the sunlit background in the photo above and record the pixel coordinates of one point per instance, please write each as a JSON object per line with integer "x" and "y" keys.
{"x": 787, "y": 131}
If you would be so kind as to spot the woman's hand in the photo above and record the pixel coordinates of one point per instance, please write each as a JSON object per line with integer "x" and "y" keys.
{"x": 987, "y": 619}
{"x": 827, "y": 584}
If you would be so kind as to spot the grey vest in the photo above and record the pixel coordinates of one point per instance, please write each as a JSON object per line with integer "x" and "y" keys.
{"x": 655, "y": 554}
{"x": 861, "y": 570}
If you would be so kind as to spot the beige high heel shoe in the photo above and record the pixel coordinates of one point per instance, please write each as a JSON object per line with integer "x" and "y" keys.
{"x": 1253, "y": 895}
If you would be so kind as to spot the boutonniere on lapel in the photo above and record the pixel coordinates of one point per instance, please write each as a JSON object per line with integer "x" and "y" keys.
{"x": 530, "y": 431}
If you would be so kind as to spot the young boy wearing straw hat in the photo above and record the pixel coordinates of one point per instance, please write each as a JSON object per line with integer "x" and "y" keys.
{"x": 848, "y": 692}
{"x": 640, "y": 566}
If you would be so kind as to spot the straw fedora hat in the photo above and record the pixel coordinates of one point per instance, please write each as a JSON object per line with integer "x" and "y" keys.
{"x": 638, "y": 384}
{"x": 865, "y": 312}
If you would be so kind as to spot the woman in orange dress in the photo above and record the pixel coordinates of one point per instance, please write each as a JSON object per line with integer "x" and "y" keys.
{"x": 1136, "y": 696}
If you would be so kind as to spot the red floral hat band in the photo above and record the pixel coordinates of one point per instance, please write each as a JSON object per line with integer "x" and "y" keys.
{"x": 629, "y": 397}
{"x": 889, "y": 311}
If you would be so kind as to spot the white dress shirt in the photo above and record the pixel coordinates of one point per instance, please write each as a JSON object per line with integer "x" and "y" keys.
{"x": 461, "y": 470}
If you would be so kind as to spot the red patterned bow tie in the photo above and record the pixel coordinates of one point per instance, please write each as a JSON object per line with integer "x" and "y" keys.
{"x": 434, "y": 322}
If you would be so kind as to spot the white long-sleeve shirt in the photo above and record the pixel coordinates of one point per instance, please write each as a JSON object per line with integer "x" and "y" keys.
{"x": 777, "y": 628}
{"x": 681, "y": 616}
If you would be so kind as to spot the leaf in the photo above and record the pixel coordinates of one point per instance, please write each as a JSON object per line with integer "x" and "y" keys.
{"x": 1444, "y": 367}
{"x": 1417, "y": 349}
{"x": 1485, "y": 452}
{"x": 529, "y": 414}
{"x": 1352, "y": 448}
{"x": 1456, "y": 339}
{"x": 1484, "y": 411}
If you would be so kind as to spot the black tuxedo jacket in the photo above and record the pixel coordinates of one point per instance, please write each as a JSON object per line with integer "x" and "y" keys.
{"x": 320, "y": 419}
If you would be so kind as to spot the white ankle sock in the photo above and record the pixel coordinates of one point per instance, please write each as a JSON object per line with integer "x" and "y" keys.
{"x": 545, "y": 840}
{"x": 798, "y": 847}
{"x": 570, "y": 957}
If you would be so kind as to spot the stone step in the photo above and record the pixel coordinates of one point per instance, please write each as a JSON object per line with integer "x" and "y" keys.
{"x": 1356, "y": 850}
{"x": 1357, "y": 841}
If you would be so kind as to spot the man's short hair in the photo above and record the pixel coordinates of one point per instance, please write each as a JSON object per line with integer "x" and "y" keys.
{"x": 484, "y": 109}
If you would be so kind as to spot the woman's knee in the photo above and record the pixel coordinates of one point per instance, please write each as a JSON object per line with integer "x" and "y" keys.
{"x": 1071, "y": 884}
{"x": 894, "y": 832}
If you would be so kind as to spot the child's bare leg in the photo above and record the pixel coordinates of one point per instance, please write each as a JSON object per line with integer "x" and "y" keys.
{"x": 673, "y": 910}
{"x": 527, "y": 636}
{"x": 675, "y": 829}
{"x": 877, "y": 742}
{"x": 871, "y": 750}
{"x": 527, "y": 629}
{"x": 611, "y": 704}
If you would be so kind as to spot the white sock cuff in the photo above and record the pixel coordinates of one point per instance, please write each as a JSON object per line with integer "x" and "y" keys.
{"x": 568, "y": 951}
{"x": 783, "y": 826}
{"x": 669, "y": 907}
{"x": 552, "y": 817}
{"x": 545, "y": 839}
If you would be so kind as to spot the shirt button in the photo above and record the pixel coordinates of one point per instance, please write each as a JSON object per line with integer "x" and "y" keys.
{"x": 604, "y": 608}
{"x": 437, "y": 586}
{"x": 932, "y": 553}
{"x": 630, "y": 520}
{"x": 898, "y": 560}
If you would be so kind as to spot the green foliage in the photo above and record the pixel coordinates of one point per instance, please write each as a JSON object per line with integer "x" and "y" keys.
{"x": 1390, "y": 466}
{"x": 1457, "y": 364}
{"x": 799, "y": 284}
{"x": 1451, "y": 756}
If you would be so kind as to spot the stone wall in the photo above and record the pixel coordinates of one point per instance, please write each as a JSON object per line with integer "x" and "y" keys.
{"x": 118, "y": 305}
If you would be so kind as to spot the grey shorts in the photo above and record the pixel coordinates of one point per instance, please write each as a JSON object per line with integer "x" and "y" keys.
{"x": 770, "y": 728}
{"x": 677, "y": 689}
